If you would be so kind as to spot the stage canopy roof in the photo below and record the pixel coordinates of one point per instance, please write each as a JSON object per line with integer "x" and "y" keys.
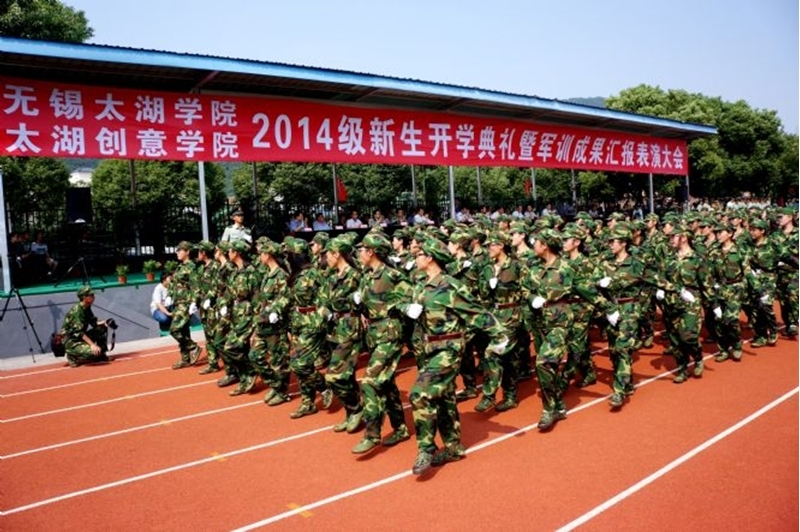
{"x": 131, "y": 68}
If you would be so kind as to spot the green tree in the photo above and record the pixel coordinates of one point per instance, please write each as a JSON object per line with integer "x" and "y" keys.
{"x": 36, "y": 186}
{"x": 48, "y": 20}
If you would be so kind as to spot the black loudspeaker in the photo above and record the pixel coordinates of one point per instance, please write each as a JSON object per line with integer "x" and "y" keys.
{"x": 79, "y": 205}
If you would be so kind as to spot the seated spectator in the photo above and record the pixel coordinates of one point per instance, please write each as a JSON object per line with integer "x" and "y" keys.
{"x": 420, "y": 218}
{"x": 377, "y": 220}
{"x": 400, "y": 217}
{"x": 39, "y": 249}
{"x": 298, "y": 223}
{"x": 354, "y": 222}
{"x": 320, "y": 224}
{"x": 161, "y": 302}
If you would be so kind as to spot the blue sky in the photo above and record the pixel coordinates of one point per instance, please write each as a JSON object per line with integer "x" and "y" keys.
{"x": 737, "y": 50}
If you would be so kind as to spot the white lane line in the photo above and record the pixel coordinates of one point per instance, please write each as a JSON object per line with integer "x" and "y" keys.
{"x": 152, "y": 474}
{"x": 107, "y": 401}
{"x": 129, "y": 430}
{"x": 675, "y": 463}
{"x": 117, "y": 358}
{"x": 80, "y": 383}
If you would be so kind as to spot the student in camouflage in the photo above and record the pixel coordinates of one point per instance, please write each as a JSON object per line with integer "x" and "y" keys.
{"x": 336, "y": 306}
{"x": 382, "y": 288}
{"x": 686, "y": 280}
{"x": 307, "y": 327}
{"x": 269, "y": 352}
{"x": 207, "y": 271}
{"x": 183, "y": 297}
{"x": 622, "y": 283}
{"x": 728, "y": 267}
{"x": 499, "y": 288}
{"x": 761, "y": 281}
{"x": 243, "y": 286}
{"x": 86, "y": 338}
{"x": 442, "y": 309}
{"x": 221, "y": 303}
{"x": 787, "y": 282}
{"x": 547, "y": 291}
{"x": 319, "y": 260}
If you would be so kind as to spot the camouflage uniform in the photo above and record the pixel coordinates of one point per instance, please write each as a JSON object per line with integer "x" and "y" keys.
{"x": 729, "y": 267}
{"x": 78, "y": 321}
{"x": 337, "y": 306}
{"x": 183, "y": 295}
{"x": 243, "y": 287}
{"x": 787, "y": 282}
{"x": 269, "y": 352}
{"x": 222, "y": 305}
{"x": 380, "y": 292}
{"x": 761, "y": 281}
{"x": 448, "y": 310}
{"x": 205, "y": 297}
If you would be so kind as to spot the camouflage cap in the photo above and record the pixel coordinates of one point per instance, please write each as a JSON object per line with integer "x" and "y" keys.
{"x": 265, "y": 245}
{"x": 651, "y": 216}
{"x": 85, "y": 291}
{"x": 350, "y": 236}
{"x": 572, "y": 230}
{"x": 321, "y": 238}
{"x": 460, "y": 237}
{"x": 401, "y": 234}
{"x": 498, "y": 237}
{"x": 376, "y": 242}
{"x": 340, "y": 244}
{"x": 621, "y": 232}
{"x": 295, "y": 245}
{"x": 671, "y": 218}
{"x": 638, "y": 225}
{"x": 683, "y": 230}
{"x": 185, "y": 245}
{"x": 787, "y": 211}
{"x": 583, "y": 215}
{"x": 518, "y": 226}
{"x": 436, "y": 249}
{"x": 618, "y": 216}
{"x": 239, "y": 246}
{"x": 722, "y": 226}
{"x": 237, "y": 212}
{"x": 758, "y": 223}
{"x": 205, "y": 245}
{"x": 550, "y": 238}
{"x": 224, "y": 246}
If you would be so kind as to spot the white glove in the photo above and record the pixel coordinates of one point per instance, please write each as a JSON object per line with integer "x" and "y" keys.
{"x": 765, "y": 298}
{"x": 394, "y": 259}
{"x": 206, "y": 304}
{"x": 538, "y": 302}
{"x": 687, "y": 296}
{"x": 493, "y": 283}
{"x": 500, "y": 347}
{"x": 357, "y": 298}
{"x": 223, "y": 311}
{"x": 410, "y": 265}
{"x": 467, "y": 263}
{"x": 718, "y": 312}
{"x": 717, "y": 287}
{"x": 193, "y": 308}
{"x": 414, "y": 311}
{"x": 605, "y": 282}
{"x": 781, "y": 263}
{"x": 273, "y": 317}
{"x": 660, "y": 294}
{"x": 756, "y": 272}
{"x": 613, "y": 318}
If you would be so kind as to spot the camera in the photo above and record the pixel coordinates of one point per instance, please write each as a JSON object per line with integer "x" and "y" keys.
{"x": 111, "y": 324}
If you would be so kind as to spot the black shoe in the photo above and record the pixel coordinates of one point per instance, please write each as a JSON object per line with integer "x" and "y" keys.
{"x": 616, "y": 401}
{"x": 209, "y": 369}
{"x": 181, "y": 364}
{"x": 422, "y": 463}
{"x": 466, "y": 394}
{"x": 452, "y": 453}
{"x": 507, "y": 404}
{"x": 227, "y": 380}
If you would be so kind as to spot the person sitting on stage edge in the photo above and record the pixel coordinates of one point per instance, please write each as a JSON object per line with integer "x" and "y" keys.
{"x": 86, "y": 338}
{"x": 161, "y": 302}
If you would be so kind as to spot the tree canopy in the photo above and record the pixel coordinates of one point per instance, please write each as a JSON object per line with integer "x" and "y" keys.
{"x": 48, "y": 20}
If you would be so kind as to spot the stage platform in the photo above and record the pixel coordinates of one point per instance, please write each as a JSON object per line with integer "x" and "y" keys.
{"x": 46, "y": 304}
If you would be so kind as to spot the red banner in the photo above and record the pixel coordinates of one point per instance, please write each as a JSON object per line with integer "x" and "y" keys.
{"x": 57, "y": 120}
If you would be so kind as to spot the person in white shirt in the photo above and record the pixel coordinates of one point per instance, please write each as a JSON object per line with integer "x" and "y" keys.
{"x": 420, "y": 218}
{"x": 320, "y": 224}
{"x": 354, "y": 222}
{"x": 161, "y": 302}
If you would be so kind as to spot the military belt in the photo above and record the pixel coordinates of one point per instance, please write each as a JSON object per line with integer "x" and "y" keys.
{"x": 306, "y": 310}
{"x": 562, "y": 301}
{"x": 626, "y": 300}
{"x": 501, "y": 306}
{"x": 443, "y": 337}
{"x": 343, "y": 315}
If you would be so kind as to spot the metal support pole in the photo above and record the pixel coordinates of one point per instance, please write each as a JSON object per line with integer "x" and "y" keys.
{"x": 4, "y": 241}
{"x": 478, "y": 179}
{"x": 574, "y": 190}
{"x": 335, "y": 197}
{"x": 201, "y": 174}
{"x": 533, "y": 185}
{"x": 452, "y": 186}
{"x": 650, "y": 196}
{"x": 413, "y": 187}
{"x": 688, "y": 194}
{"x": 134, "y": 204}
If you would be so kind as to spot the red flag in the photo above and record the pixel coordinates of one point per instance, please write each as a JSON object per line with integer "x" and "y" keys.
{"x": 341, "y": 191}
{"x": 528, "y": 186}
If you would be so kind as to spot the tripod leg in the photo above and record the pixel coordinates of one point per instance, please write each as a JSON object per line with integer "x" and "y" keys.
{"x": 66, "y": 273}
{"x": 30, "y": 321}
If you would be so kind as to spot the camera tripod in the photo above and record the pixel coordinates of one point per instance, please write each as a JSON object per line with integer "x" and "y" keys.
{"x": 14, "y": 292}
{"x": 80, "y": 263}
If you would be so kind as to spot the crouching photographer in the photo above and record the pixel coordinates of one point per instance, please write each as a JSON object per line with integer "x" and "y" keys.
{"x": 85, "y": 339}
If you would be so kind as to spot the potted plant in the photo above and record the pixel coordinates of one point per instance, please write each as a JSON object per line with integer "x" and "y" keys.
{"x": 150, "y": 267}
{"x": 170, "y": 266}
{"x": 122, "y": 273}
